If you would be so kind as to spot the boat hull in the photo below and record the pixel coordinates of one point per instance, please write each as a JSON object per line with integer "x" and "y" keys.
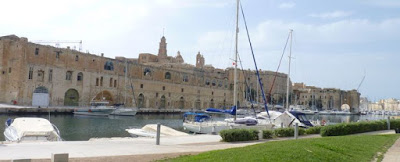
{"x": 94, "y": 111}
{"x": 124, "y": 112}
{"x": 213, "y": 128}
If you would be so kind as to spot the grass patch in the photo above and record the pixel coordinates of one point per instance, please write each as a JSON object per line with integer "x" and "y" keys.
{"x": 341, "y": 149}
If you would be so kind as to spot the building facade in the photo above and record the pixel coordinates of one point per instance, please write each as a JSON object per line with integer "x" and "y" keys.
{"x": 42, "y": 75}
{"x": 326, "y": 98}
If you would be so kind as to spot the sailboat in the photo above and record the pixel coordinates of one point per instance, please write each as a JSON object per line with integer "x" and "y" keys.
{"x": 213, "y": 127}
{"x": 121, "y": 109}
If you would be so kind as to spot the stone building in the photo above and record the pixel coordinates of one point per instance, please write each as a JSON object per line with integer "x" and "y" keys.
{"x": 325, "y": 98}
{"x": 42, "y": 75}
{"x": 390, "y": 104}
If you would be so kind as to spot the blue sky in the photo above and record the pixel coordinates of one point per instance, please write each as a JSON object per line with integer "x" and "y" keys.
{"x": 334, "y": 42}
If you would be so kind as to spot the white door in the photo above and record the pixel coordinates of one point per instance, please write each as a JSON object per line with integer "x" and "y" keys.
{"x": 40, "y": 99}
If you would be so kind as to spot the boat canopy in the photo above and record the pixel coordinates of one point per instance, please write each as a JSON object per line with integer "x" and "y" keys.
{"x": 232, "y": 111}
{"x": 198, "y": 117}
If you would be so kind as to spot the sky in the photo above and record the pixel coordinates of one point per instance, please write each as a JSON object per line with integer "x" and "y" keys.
{"x": 335, "y": 43}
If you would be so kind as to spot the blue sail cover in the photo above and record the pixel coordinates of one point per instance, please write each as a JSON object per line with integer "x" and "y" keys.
{"x": 232, "y": 111}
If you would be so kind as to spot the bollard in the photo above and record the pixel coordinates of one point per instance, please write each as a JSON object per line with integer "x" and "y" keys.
{"x": 158, "y": 134}
{"x": 388, "y": 122}
{"x": 260, "y": 134}
{"x": 63, "y": 157}
{"x": 213, "y": 130}
{"x": 296, "y": 131}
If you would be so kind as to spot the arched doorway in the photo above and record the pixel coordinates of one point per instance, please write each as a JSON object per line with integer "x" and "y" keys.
{"x": 71, "y": 98}
{"x": 104, "y": 96}
{"x": 181, "y": 103}
{"x": 140, "y": 101}
{"x": 162, "y": 102}
{"x": 40, "y": 97}
{"x": 345, "y": 107}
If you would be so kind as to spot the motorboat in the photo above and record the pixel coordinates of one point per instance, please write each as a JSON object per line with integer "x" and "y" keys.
{"x": 150, "y": 130}
{"x": 286, "y": 119}
{"x": 124, "y": 111}
{"x": 30, "y": 129}
{"x": 97, "y": 108}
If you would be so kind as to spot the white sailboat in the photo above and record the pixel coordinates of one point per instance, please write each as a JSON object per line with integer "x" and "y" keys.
{"x": 214, "y": 127}
{"x": 121, "y": 109}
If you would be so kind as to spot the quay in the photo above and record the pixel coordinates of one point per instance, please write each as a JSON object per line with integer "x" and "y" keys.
{"x": 13, "y": 109}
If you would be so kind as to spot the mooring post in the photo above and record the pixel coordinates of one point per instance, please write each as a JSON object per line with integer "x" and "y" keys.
{"x": 158, "y": 134}
{"x": 296, "y": 131}
{"x": 388, "y": 122}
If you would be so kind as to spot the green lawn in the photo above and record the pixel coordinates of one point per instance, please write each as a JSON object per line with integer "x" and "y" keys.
{"x": 341, "y": 148}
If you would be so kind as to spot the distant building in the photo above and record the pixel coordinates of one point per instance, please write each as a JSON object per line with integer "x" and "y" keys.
{"x": 42, "y": 75}
{"x": 325, "y": 98}
{"x": 390, "y": 104}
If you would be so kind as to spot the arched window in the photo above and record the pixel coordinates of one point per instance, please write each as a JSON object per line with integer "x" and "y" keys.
{"x": 80, "y": 76}
{"x": 68, "y": 76}
{"x": 220, "y": 84}
{"x": 147, "y": 72}
{"x": 185, "y": 78}
{"x": 207, "y": 82}
{"x": 214, "y": 83}
{"x": 109, "y": 66}
{"x": 167, "y": 75}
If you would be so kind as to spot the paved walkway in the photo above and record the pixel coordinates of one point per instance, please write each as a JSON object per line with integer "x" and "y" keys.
{"x": 393, "y": 154}
{"x": 120, "y": 148}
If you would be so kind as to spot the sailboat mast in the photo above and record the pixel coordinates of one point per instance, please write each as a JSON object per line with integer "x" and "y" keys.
{"x": 126, "y": 76}
{"x": 288, "y": 79}
{"x": 236, "y": 58}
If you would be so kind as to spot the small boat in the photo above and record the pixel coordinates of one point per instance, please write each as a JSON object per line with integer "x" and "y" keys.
{"x": 150, "y": 130}
{"x": 97, "y": 108}
{"x": 124, "y": 111}
{"x": 31, "y": 129}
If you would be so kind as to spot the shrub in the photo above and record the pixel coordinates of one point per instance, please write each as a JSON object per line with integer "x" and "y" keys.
{"x": 358, "y": 127}
{"x": 287, "y": 132}
{"x": 394, "y": 123}
{"x": 232, "y": 135}
{"x": 313, "y": 130}
{"x": 267, "y": 134}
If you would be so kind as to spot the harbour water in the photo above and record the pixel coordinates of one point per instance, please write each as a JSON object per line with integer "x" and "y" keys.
{"x": 81, "y": 128}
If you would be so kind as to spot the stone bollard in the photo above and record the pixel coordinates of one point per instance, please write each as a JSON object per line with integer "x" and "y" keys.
{"x": 388, "y": 122}
{"x": 296, "y": 131}
{"x": 213, "y": 130}
{"x": 63, "y": 157}
{"x": 158, "y": 134}
{"x": 260, "y": 134}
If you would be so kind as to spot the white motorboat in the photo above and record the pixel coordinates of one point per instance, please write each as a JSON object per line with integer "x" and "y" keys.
{"x": 150, "y": 130}
{"x": 30, "y": 129}
{"x": 97, "y": 108}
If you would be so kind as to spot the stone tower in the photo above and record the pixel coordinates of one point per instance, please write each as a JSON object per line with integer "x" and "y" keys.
{"x": 179, "y": 58}
{"x": 199, "y": 60}
{"x": 162, "y": 51}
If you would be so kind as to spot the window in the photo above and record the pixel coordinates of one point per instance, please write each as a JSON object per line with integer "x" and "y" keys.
{"x": 167, "y": 75}
{"x": 76, "y": 58}
{"x": 214, "y": 83}
{"x": 80, "y": 76}
{"x": 101, "y": 81}
{"x": 212, "y": 93}
{"x": 141, "y": 85}
{"x": 147, "y": 72}
{"x": 9, "y": 70}
{"x": 182, "y": 90}
{"x": 50, "y": 75}
{"x": 185, "y": 78}
{"x": 58, "y": 54}
{"x": 68, "y": 76}
{"x": 115, "y": 83}
{"x": 36, "y": 51}
{"x": 163, "y": 88}
{"x": 111, "y": 82}
{"x": 30, "y": 73}
{"x": 207, "y": 82}
{"x": 220, "y": 84}
{"x": 156, "y": 94}
{"x": 40, "y": 75}
{"x": 97, "y": 81}
{"x": 109, "y": 66}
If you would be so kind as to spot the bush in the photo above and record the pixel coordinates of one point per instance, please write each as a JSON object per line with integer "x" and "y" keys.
{"x": 232, "y": 135}
{"x": 313, "y": 130}
{"x": 358, "y": 127}
{"x": 267, "y": 134}
{"x": 287, "y": 132}
{"x": 394, "y": 123}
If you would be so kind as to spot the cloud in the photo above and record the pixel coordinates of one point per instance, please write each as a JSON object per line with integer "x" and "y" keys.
{"x": 287, "y": 5}
{"x": 383, "y": 3}
{"x": 329, "y": 15}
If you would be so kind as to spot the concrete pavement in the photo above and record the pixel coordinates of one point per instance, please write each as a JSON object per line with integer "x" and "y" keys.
{"x": 393, "y": 153}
